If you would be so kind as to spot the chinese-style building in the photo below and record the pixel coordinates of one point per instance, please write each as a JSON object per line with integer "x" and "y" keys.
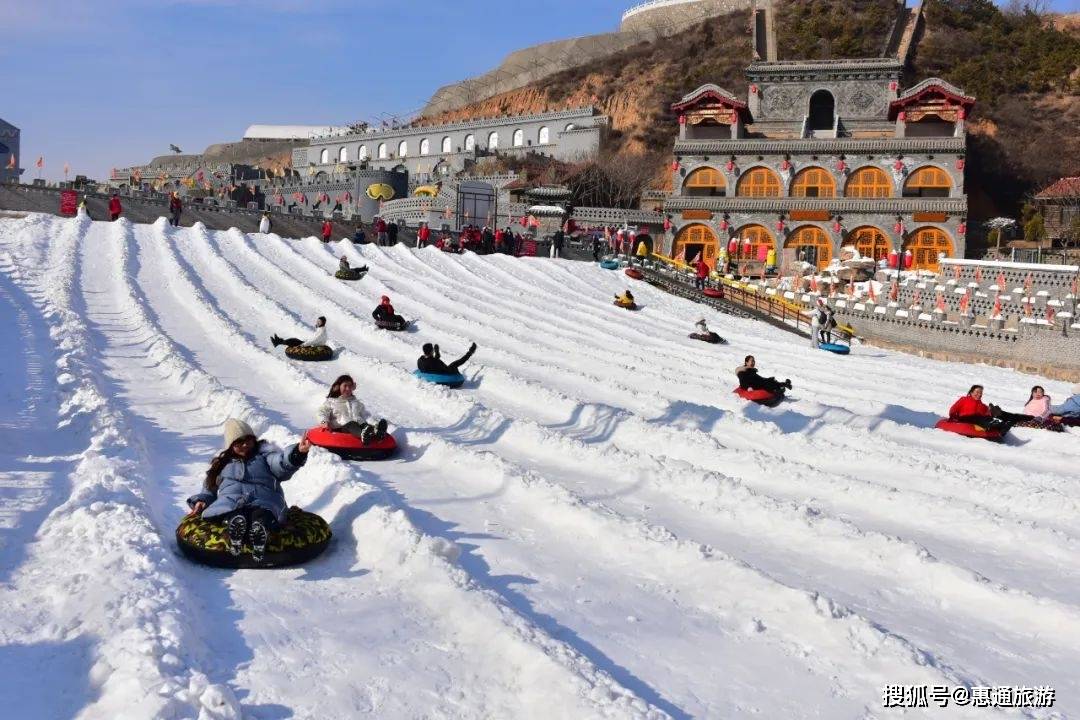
{"x": 821, "y": 155}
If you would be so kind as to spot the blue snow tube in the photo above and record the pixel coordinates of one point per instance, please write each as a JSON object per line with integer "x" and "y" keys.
{"x": 835, "y": 348}
{"x": 455, "y": 381}
{"x": 609, "y": 264}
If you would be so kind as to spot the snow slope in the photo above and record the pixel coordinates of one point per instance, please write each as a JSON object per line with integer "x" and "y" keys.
{"x": 594, "y": 527}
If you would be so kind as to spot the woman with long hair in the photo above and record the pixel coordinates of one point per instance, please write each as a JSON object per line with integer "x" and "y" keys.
{"x": 318, "y": 337}
{"x": 342, "y": 411}
{"x": 242, "y": 487}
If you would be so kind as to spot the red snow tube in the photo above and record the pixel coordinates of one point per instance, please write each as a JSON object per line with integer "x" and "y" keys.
{"x": 634, "y": 273}
{"x": 968, "y": 430}
{"x": 349, "y": 446}
{"x": 712, "y": 292}
{"x": 761, "y": 397}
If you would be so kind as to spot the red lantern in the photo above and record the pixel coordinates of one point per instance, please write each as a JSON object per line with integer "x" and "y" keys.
{"x": 898, "y": 166}
{"x": 962, "y": 228}
{"x": 892, "y": 85}
{"x": 902, "y": 117}
{"x": 682, "y": 119}
{"x": 733, "y": 246}
{"x": 786, "y": 165}
{"x": 894, "y": 258}
{"x": 841, "y": 166}
{"x": 667, "y": 224}
{"x": 836, "y": 228}
{"x": 746, "y": 242}
{"x": 780, "y": 226}
{"x": 753, "y": 89}
{"x": 730, "y": 166}
{"x": 898, "y": 228}
{"x": 960, "y": 163}
{"x": 674, "y": 165}
{"x": 908, "y": 259}
{"x": 961, "y": 114}
{"x": 723, "y": 224}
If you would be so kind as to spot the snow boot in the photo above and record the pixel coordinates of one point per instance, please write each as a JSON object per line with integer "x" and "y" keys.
{"x": 367, "y": 434}
{"x": 259, "y": 536}
{"x": 236, "y": 529}
{"x": 380, "y": 429}
{"x": 787, "y": 384}
{"x": 275, "y": 340}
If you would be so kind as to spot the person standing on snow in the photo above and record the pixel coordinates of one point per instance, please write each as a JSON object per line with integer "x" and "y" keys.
{"x": 342, "y": 411}
{"x": 115, "y": 208}
{"x": 175, "y": 208}
{"x": 750, "y": 380}
{"x": 643, "y": 252}
{"x": 701, "y": 273}
{"x": 318, "y": 337}
{"x": 242, "y": 488}
{"x": 431, "y": 361}
{"x": 264, "y": 223}
{"x": 423, "y": 235}
{"x": 327, "y": 230}
{"x": 391, "y": 233}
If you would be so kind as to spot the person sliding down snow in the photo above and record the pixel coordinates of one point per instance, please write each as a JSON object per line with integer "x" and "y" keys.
{"x": 704, "y": 333}
{"x": 750, "y": 380}
{"x": 384, "y": 313}
{"x": 627, "y": 298}
{"x": 242, "y": 488}
{"x": 317, "y": 338}
{"x": 1070, "y": 409}
{"x": 431, "y": 361}
{"x": 970, "y": 409}
{"x": 342, "y": 411}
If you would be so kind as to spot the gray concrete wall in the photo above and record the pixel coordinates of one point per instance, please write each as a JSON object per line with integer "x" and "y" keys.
{"x": 9, "y": 145}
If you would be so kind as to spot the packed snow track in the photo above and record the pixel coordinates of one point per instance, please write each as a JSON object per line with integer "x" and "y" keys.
{"x": 594, "y": 526}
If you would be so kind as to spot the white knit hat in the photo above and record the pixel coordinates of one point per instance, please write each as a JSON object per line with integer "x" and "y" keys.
{"x": 236, "y": 429}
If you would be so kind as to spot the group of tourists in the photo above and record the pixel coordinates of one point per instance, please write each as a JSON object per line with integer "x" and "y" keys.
{"x": 1039, "y": 412}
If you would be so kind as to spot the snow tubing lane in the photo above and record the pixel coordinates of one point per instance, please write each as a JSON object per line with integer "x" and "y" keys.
{"x": 835, "y": 348}
{"x": 609, "y": 264}
{"x": 634, "y": 274}
{"x": 631, "y": 306}
{"x": 454, "y": 381}
{"x": 761, "y": 397}
{"x": 388, "y": 325}
{"x": 311, "y": 353}
{"x": 712, "y": 293}
{"x": 349, "y": 446}
{"x": 968, "y": 430}
{"x": 711, "y": 338}
{"x": 304, "y": 537}
{"x": 349, "y": 275}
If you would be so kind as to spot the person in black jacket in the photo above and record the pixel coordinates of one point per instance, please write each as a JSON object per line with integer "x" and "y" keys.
{"x": 384, "y": 313}
{"x": 431, "y": 361}
{"x": 750, "y": 380}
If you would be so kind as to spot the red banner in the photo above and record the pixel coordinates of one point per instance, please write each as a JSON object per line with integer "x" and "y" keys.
{"x": 69, "y": 202}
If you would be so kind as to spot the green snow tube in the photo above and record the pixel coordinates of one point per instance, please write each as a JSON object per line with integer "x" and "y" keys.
{"x": 313, "y": 353}
{"x": 304, "y": 536}
{"x": 350, "y": 274}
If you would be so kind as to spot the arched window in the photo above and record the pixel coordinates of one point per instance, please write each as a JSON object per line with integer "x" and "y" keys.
{"x": 493, "y": 141}
{"x": 758, "y": 182}
{"x": 470, "y": 143}
{"x": 446, "y": 147}
{"x": 544, "y": 136}
{"x": 822, "y": 109}
{"x": 324, "y": 156}
{"x": 705, "y": 182}
{"x": 761, "y": 242}
{"x": 569, "y": 127}
{"x": 343, "y": 155}
{"x": 813, "y": 182}
{"x": 928, "y": 181}
{"x": 869, "y": 241}
{"x": 425, "y": 146}
{"x": 813, "y": 245}
{"x": 868, "y": 182}
{"x": 519, "y": 138}
{"x": 693, "y": 240}
{"x": 403, "y": 149}
{"x": 925, "y": 245}
{"x": 382, "y": 151}
{"x": 362, "y": 153}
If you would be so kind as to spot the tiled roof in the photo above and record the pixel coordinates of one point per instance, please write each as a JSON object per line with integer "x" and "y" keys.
{"x": 1065, "y": 187}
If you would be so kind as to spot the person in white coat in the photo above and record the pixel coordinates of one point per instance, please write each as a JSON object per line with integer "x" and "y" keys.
{"x": 264, "y": 223}
{"x": 817, "y": 317}
{"x": 342, "y": 411}
{"x": 318, "y": 337}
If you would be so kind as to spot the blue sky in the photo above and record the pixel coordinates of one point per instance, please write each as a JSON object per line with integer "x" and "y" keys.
{"x": 104, "y": 84}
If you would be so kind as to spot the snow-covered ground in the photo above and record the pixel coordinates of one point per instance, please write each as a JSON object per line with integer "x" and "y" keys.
{"x": 593, "y": 527}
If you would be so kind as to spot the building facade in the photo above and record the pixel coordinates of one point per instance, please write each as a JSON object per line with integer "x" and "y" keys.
{"x": 10, "y": 156}
{"x": 434, "y": 152}
{"x": 821, "y": 155}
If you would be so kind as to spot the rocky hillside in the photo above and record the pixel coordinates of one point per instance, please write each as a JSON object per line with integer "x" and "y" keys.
{"x": 1024, "y": 70}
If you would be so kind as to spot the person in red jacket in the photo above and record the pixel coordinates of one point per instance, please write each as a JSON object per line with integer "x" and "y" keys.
{"x": 971, "y": 409}
{"x": 114, "y": 207}
{"x": 701, "y": 271}
{"x": 327, "y": 230}
{"x": 175, "y": 208}
{"x": 385, "y": 316}
{"x": 423, "y": 235}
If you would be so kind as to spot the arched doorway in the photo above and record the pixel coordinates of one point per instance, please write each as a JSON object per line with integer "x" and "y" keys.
{"x": 758, "y": 182}
{"x": 694, "y": 239}
{"x": 812, "y": 244}
{"x": 760, "y": 243}
{"x": 928, "y": 181}
{"x": 868, "y": 182}
{"x": 705, "y": 182}
{"x": 926, "y": 244}
{"x": 822, "y": 110}
{"x": 813, "y": 182}
{"x": 869, "y": 241}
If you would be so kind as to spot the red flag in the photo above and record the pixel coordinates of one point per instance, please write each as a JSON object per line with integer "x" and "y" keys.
{"x": 978, "y": 274}
{"x": 997, "y": 306}
{"x": 917, "y": 299}
{"x": 1027, "y": 284}
{"x": 11, "y": 162}
{"x": 1028, "y": 309}
{"x": 964, "y": 303}
{"x": 1050, "y": 314}
{"x": 941, "y": 302}
{"x": 956, "y": 271}
{"x": 894, "y": 291}
{"x": 1001, "y": 280}
{"x": 870, "y": 288}
{"x": 40, "y": 161}
{"x": 813, "y": 284}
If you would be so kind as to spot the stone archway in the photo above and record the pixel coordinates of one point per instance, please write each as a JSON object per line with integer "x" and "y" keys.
{"x": 694, "y": 239}
{"x": 812, "y": 242}
{"x": 925, "y": 244}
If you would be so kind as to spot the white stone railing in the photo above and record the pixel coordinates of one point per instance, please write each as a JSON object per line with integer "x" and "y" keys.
{"x": 651, "y": 4}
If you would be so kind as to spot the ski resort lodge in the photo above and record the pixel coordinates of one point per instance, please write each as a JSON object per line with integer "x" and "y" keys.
{"x": 820, "y": 155}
